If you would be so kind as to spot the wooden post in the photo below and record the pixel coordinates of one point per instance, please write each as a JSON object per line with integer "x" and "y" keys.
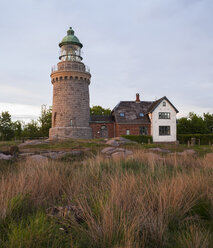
{"x": 188, "y": 143}
{"x": 193, "y": 141}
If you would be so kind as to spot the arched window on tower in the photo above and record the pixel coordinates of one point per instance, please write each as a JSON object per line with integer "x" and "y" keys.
{"x": 54, "y": 119}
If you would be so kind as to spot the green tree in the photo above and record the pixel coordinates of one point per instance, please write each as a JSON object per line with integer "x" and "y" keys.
{"x": 197, "y": 123}
{"x": 183, "y": 126}
{"x": 98, "y": 110}
{"x": 208, "y": 120}
{"x": 192, "y": 124}
{"x": 31, "y": 130}
{"x": 6, "y": 129}
{"x": 18, "y": 129}
{"x": 45, "y": 120}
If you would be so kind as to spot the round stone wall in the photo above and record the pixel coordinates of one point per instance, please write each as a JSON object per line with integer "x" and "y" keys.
{"x": 70, "y": 113}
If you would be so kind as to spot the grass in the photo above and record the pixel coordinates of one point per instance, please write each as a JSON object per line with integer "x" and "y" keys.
{"x": 147, "y": 200}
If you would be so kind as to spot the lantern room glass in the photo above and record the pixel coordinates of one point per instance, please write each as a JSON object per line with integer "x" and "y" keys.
{"x": 70, "y": 53}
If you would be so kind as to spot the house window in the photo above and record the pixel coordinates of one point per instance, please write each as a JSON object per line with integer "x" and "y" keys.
{"x": 127, "y": 132}
{"x": 122, "y": 114}
{"x": 141, "y": 114}
{"x": 164, "y": 115}
{"x": 164, "y": 103}
{"x": 103, "y": 127}
{"x": 143, "y": 130}
{"x": 71, "y": 122}
{"x": 164, "y": 130}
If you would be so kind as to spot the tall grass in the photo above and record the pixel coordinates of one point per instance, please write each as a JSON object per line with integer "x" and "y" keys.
{"x": 146, "y": 200}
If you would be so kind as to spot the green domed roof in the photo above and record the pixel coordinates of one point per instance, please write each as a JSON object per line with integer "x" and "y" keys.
{"x": 70, "y": 38}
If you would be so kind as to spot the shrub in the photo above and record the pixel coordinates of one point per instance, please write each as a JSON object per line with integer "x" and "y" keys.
{"x": 205, "y": 139}
{"x": 139, "y": 138}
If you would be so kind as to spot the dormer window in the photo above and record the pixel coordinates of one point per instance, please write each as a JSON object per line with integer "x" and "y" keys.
{"x": 164, "y": 103}
{"x": 141, "y": 115}
{"x": 122, "y": 114}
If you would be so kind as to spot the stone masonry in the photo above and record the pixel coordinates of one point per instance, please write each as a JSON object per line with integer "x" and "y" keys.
{"x": 71, "y": 112}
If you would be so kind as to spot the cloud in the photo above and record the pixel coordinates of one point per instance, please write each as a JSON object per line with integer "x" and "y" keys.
{"x": 21, "y": 111}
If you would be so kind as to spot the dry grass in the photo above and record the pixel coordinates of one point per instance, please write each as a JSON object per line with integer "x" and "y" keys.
{"x": 144, "y": 201}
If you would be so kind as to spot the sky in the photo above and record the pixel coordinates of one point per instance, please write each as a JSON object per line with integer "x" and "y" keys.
{"x": 152, "y": 47}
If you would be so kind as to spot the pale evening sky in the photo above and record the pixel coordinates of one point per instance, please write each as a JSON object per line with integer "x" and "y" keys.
{"x": 154, "y": 47}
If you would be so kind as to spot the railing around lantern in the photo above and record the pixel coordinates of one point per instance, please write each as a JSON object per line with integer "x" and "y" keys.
{"x": 70, "y": 67}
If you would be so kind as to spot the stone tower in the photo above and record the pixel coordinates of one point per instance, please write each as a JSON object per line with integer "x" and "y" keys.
{"x": 70, "y": 79}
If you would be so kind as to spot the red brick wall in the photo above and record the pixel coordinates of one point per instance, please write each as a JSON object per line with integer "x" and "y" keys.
{"x": 96, "y": 129}
{"x": 120, "y": 129}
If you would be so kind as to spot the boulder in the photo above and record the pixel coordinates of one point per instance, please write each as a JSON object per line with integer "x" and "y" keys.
{"x": 34, "y": 142}
{"x": 157, "y": 149}
{"x": 37, "y": 159}
{"x": 5, "y": 157}
{"x": 112, "y": 142}
{"x": 116, "y": 152}
{"x": 108, "y": 150}
{"x": 187, "y": 152}
{"x": 121, "y": 154}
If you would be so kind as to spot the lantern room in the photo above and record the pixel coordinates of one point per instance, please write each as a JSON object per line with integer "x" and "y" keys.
{"x": 70, "y": 47}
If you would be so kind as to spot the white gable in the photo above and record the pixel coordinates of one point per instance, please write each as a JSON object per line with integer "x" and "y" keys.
{"x": 163, "y": 123}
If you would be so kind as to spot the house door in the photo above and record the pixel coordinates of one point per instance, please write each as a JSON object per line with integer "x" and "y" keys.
{"x": 104, "y": 132}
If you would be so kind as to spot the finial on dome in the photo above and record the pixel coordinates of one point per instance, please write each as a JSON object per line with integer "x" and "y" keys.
{"x": 70, "y": 31}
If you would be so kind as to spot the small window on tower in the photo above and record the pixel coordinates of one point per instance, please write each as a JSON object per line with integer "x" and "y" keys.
{"x": 71, "y": 122}
{"x": 141, "y": 115}
{"x": 122, "y": 114}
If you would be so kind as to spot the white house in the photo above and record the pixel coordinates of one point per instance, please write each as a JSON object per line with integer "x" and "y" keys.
{"x": 162, "y": 115}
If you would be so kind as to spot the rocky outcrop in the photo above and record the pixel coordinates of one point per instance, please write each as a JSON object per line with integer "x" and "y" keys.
{"x": 37, "y": 159}
{"x": 34, "y": 142}
{"x": 118, "y": 141}
{"x": 5, "y": 157}
{"x": 157, "y": 149}
{"x": 116, "y": 152}
{"x": 187, "y": 152}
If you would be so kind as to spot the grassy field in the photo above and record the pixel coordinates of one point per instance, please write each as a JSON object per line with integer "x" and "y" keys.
{"x": 146, "y": 200}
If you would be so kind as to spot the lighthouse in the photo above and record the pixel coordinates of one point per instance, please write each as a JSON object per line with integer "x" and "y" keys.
{"x": 70, "y": 79}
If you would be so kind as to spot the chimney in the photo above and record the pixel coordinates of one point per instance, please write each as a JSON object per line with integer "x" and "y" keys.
{"x": 137, "y": 97}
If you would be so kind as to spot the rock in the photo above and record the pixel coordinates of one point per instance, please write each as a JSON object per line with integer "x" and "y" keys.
{"x": 61, "y": 155}
{"x": 5, "y": 157}
{"x": 34, "y": 142}
{"x": 118, "y": 141}
{"x": 26, "y": 154}
{"x": 112, "y": 142}
{"x": 53, "y": 155}
{"x": 157, "y": 149}
{"x": 187, "y": 152}
{"x": 108, "y": 150}
{"x": 116, "y": 152}
{"x": 122, "y": 140}
{"x": 37, "y": 159}
{"x": 121, "y": 154}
